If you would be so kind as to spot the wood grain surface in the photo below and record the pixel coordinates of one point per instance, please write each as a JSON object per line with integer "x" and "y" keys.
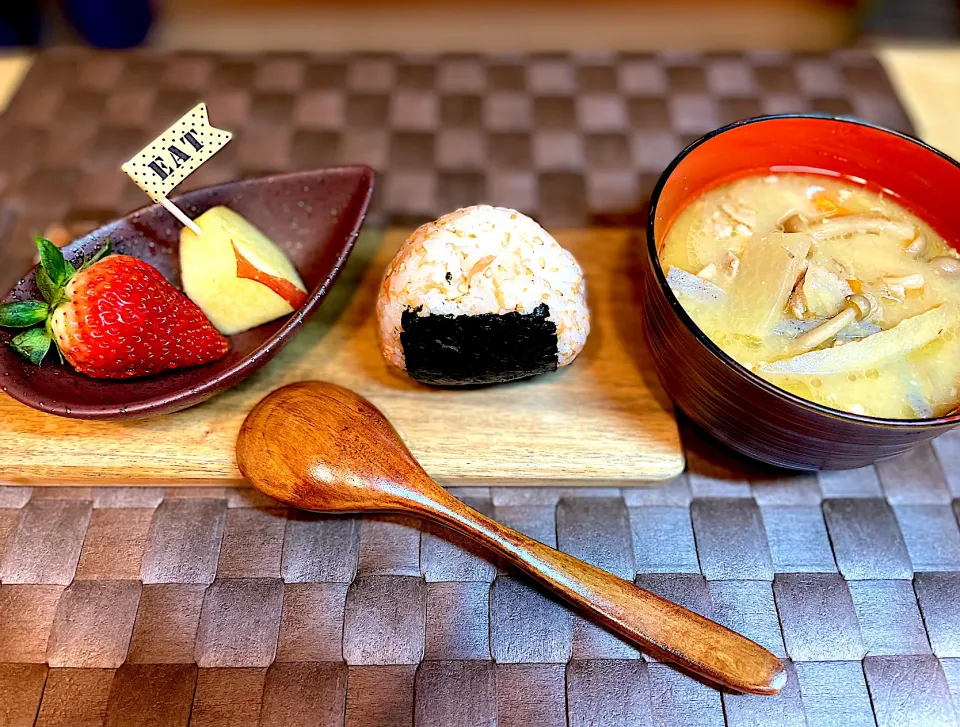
{"x": 928, "y": 84}
{"x": 320, "y": 447}
{"x": 602, "y": 420}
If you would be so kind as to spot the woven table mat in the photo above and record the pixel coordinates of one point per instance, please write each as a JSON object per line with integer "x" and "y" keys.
{"x": 215, "y": 607}
{"x": 573, "y": 140}
{"x": 122, "y": 603}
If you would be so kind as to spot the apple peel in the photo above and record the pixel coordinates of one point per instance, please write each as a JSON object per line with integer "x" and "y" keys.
{"x": 281, "y": 286}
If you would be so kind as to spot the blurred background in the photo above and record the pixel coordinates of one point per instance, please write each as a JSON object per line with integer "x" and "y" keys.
{"x": 568, "y": 110}
{"x": 495, "y": 25}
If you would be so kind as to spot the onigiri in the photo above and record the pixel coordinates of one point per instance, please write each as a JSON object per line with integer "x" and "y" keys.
{"x": 482, "y": 295}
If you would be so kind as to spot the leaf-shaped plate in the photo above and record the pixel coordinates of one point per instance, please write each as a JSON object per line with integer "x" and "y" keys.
{"x": 314, "y": 216}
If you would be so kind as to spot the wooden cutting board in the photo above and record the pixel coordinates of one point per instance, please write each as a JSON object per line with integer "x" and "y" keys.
{"x": 602, "y": 420}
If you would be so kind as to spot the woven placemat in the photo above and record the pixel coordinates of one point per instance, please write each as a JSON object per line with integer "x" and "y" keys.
{"x": 573, "y": 140}
{"x": 215, "y": 607}
{"x": 120, "y": 604}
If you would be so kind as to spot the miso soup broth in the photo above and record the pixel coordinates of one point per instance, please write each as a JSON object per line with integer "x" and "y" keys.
{"x": 826, "y": 289}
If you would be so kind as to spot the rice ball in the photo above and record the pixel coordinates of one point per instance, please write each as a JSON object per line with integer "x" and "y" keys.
{"x": 482, "y": 295}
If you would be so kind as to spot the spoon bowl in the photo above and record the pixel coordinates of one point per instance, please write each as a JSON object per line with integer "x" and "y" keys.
{"x": 337, "y": 452}
{"x": 317, "y": 446}
{"x": 313, "y": 216}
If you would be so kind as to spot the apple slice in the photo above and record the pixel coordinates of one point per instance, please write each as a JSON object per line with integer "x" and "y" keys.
{"x": 236, "y": 274}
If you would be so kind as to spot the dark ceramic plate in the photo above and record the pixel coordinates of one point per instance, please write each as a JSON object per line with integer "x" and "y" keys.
{"x": 313, "y": 216}
{"x": 735, "y": 405}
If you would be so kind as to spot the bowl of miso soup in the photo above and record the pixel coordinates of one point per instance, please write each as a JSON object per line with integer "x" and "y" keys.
{"x": 802, "y": 289}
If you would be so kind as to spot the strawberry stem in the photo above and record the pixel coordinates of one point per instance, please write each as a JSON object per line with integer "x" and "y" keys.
{"x": 97, "y": 257}
{"x": 51, "y": 292}
{"x": 100, "y": 254}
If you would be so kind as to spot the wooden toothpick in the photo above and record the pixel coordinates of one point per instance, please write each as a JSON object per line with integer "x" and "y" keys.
{"x": 180, "y": 215}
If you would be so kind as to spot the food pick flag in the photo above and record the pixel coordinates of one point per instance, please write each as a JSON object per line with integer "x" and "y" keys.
{"x": 172, "y": 156}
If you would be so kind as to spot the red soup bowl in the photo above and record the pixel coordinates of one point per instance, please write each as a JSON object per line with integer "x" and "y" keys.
{"x": 733, "y": 404}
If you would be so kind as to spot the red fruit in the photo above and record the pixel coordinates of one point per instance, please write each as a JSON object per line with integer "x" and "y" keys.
{"x": 123, "y": 319}
{"x": 115, "y": 318}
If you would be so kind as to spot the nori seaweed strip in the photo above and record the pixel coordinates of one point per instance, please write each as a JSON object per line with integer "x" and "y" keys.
{"x": 448, "y": 350}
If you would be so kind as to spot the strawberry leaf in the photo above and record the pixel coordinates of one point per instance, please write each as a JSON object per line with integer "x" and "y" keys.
{"x": 48, "y": 289}
{"x": 71, "y": 271}
{"x": 52, "y": 261}
{"x": 32, "y": 344}
{"x": 23, "y": 313}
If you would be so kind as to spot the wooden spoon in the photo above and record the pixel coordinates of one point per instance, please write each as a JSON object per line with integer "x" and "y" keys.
{"x": 318, "y": 446}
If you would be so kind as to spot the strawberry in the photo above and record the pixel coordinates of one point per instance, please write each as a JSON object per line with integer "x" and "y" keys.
{"x": 115, "y": 318}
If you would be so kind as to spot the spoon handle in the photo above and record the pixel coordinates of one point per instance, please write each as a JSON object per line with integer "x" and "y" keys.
{"x": 663, "y": 628}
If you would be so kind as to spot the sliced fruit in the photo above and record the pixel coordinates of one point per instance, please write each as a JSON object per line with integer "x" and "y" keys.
{"x": 236, "y": 274}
